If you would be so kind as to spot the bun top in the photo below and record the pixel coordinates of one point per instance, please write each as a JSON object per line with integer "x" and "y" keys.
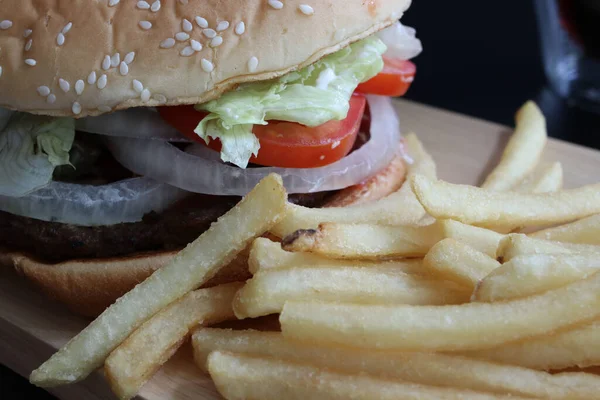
{"x": 88, "y": 57}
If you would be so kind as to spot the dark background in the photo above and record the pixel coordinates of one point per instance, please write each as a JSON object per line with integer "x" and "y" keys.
{"x": 480, "y": 58}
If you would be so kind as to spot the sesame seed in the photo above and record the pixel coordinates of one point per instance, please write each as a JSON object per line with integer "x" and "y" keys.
{"x": 76, "y": 108}
{"x": 252, "y": 64}
{"x": 115, "y": 60}
{"x": 51, "y": 99}
{"x": 306, "y": 9}
{"x": 216, "y": 42}
{"x": 186, "y": 25}
{"x": 31, "y": 62}
{"x": 209, "y": 33}
{"x": 276, "y": 4}
{"x": 167, "y": 43}
{"x": 137, "y": 86}
{"x": 207, "y": 66}
{"x": 123, "y": 68}
{"x": 182, "y": 36}
{"x": 92, "y": 78}
{"x": 223, "y": 25}
{"x": 113, "y": 3}
{"x": 143, "y": 5}
{"x": 240, "y": 28}
{"x": 145, "y": 95}
{"x": 67, "y": 28}
{"x": 322, "y": 157}
{"x": 196, "y": 45}
{"x": 79, "y": 87}
{"x": 43, "y": 91}
{"x": 64, "y": 85}
{"x": 102, "y": 82}
{"x": 155, "y": 6}
{"x": 129, "y": 57}
{"x": 28, "y": 45}
{"x": 160, "y": 98}
{"x": 27, "y": 33}
{"x": 60, "y": 39}
{"x": 106, "y": 63}
{"x": 202, "y": 23}
{"x": 104, "y": 109}
{"x": 5, "y": 24}
{"x": 187, "y": 51}
{"x": 145, "y": 25}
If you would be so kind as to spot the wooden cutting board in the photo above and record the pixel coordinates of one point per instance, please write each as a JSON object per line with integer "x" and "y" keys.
{"x": 465, "y": 149}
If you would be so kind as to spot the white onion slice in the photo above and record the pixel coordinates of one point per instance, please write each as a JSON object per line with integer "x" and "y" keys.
{"x": 166, "y": 163}
{"x": 401, "y": 41}
{"x": 87, "y": 205}
{"x": 140, "y": 123}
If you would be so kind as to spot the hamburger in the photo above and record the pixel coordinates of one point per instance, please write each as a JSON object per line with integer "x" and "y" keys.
{"x": 128, "y": 127}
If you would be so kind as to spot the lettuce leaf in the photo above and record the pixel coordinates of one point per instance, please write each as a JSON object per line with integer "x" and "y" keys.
{"x": 31, "y": 147}
{"x": 311, "y": 96}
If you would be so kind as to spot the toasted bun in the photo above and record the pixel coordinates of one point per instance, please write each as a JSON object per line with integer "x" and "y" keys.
{"x": 50, "y": 50}
{"x": 87, "y": 287}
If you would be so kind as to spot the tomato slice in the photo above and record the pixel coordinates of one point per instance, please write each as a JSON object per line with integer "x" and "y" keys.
{"x": 393, "y": 80}
{"x": 285, "y": 144}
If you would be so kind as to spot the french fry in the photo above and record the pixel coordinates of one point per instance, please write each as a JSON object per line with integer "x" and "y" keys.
{"x": 458, "y": 262}
{"x": 535, "y": 273}
{"x": 583, "y": 231}
{"x": 189, "y": 269}
{"x": 443, "y": 328}
{"x": 267, "y": 255}
{"x": 481, "y": 239}
{"x": 267, "y": 291}
{"x": 544, "y": 179}
{"x": 399, "y": 208}
{"x": 523, "y": 151}
{"x": 133, "y": 362}
{"x": 361, "y": 241}
{"x": 577, "y": 347}
{"x": 435, "y": 369}
{"x": 517, "y": 244}
{"x": 504, "y": 210}
{"x": 241, "y": 377}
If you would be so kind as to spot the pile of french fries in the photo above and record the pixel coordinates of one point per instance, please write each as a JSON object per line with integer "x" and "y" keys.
{"x": 436, "y": 291}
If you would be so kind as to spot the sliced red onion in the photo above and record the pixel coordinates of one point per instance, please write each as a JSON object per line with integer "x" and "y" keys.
{"x": 88, "y": 205}
{"x": 140, "y": 123}
{"x": 166, "y": 163}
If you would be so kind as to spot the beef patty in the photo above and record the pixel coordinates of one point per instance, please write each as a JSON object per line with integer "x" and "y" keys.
{"x": 173, "y": 229}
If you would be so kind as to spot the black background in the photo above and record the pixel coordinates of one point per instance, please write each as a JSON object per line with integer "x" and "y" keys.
{"x": 480, "y": 58}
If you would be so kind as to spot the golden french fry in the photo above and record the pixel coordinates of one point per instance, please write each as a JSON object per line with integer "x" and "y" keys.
{"x": 435, "y": 369}
{"x": 443, "y": 328}
{"x": 362, "y": 241}
{"x": 267, "y": 291}
{"x": 458, "y": 262}
{"x": 523, "y": 150}
{"x": 583, "y": 231}
{"x": 504, "y": 210}
{"x": 133, "y": 362}
{"x": 481, "y": 239}
{"x": 268, "y": 255}
{"x": 535, "y": 273}
{"x": 191, "y": 267}
{"x": 240, "y": 377}
{"x": 517, "y": 244}
{"x": 577, "y": 347}
{"x": 544, "y": 179}
{"x": 399, "y": 208}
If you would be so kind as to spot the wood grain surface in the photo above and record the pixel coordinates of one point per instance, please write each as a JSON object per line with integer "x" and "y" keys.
{"x": 465, "y": 149}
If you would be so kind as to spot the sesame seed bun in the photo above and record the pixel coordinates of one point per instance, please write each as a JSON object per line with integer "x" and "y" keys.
{"x": 79, "y": 57}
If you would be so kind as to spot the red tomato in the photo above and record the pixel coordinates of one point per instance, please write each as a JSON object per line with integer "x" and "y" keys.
{"x": 393, "y": 80}
{"x": 285, "y": 144}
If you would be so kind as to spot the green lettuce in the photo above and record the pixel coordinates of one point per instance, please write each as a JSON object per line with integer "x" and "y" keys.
{"x": 311, "y": 96}
{"x": 31, "y": 147}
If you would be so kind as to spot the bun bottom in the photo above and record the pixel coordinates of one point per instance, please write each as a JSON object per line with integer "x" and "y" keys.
{"x": 88, "y": 287}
